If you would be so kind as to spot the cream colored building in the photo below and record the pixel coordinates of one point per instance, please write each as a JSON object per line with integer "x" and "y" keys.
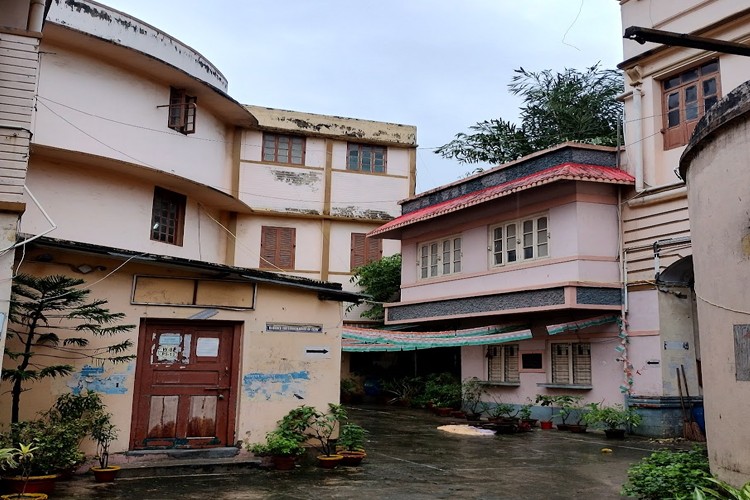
{"x": 668, "y": 89}
{"x": 225, "y": 232}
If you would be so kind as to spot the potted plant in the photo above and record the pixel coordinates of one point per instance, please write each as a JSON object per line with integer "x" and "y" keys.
{"x": 282, "y": 447}
{"x": 472, "y": 391}
{"x": 320, "y": 431}
{"x": 56, "y": 449}
{"x": 547, "y": 401}
{"x": 317, "y": 426}
{"x": 527, "y": 423}
{"x": 404, "y": 390}
{"x": 104, "y": 432}
{"x": 568, "y": 405}
{"x": 580, "y": 411}
{"x": 351, "y": 444}
{"x": 614, "y": 419}
{"x": 20, "y": 459}
{"x": 352, "y": 390}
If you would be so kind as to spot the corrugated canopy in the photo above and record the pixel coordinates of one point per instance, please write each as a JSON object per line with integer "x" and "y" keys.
{"x": 369, "y": 340}
{"x": 581, "y": 324}
{"x": 565, "y": 171}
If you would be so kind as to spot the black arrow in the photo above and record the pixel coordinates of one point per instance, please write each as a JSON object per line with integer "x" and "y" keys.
{"x": 316, "y": 351}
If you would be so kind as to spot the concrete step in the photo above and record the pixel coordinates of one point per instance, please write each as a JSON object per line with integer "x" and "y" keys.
{"x": 160, "y": 463}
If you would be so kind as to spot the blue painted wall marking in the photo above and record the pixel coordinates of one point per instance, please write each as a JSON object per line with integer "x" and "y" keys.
{"x": 276, "y": 385}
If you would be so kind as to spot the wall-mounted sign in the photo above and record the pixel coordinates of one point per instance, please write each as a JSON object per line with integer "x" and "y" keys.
{"x": 676, "y": 345}
{"x": 293, "y": 328}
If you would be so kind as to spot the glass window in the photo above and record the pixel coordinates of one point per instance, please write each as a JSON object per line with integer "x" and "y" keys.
{"x": 366, "y": 158}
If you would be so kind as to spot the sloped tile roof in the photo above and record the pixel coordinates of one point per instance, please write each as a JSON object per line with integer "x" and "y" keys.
{"x": 562, "y": 172}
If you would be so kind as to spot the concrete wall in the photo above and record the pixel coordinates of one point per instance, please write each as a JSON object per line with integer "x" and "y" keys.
{"x": 715, "y": 167}
{"x": 264, "y": 356}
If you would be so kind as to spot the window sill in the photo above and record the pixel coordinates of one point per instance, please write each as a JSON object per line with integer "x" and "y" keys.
{"x": 500, "y": 384}
{"x": 577, "y": 387}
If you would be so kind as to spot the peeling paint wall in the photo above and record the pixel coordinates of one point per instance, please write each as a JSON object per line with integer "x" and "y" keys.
{"x": 120, "y": 28}
{"x": 334, "y": 126}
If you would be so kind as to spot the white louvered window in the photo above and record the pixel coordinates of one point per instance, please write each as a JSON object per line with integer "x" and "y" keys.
{"x": 439, "y": 258}
{"x": 502, "y": 363}
{"x": 571, "y": 363}
{"x": 520, "y": 240}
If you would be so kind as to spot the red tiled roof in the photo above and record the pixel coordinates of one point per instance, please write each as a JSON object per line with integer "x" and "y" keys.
{"x": 563, "y": 172}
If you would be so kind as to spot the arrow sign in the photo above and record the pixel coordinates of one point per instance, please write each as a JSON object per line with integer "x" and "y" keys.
{"x": 317, "y": 352}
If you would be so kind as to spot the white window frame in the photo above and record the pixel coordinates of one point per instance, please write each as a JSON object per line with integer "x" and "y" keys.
{"x": 573, "y": 367}
{"x": 431, "y": 257}
{"x": 519, "y": 240}
{"x": 503, "y": 363}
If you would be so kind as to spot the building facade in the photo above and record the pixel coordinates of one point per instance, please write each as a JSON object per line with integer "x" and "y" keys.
{"x": 226, "y": 233}
{"x": 668, "y": 89}
{"x": 532, "y": 247}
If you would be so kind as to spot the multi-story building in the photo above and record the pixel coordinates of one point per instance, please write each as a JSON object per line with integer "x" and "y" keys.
{"x": 529, "y": 248}
{"x": 225, "y": 232}
{"x": 20, "y": 34}
{"x": 668, "y": 89}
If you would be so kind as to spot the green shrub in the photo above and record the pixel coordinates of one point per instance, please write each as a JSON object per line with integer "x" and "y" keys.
{"x": 668, "y": 474}
{"x": 722, "y": 490}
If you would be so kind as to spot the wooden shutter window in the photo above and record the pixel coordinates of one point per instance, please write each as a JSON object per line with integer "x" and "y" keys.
{"x": 582, "y": 363}
{"x": 277, "y": 247}
{"x": 364, "y": 250}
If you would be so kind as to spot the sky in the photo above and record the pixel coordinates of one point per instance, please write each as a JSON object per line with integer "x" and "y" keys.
{"x": 437, "y": 64}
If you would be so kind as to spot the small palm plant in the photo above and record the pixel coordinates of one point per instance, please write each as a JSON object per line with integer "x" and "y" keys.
{"x": 51, "y": 319}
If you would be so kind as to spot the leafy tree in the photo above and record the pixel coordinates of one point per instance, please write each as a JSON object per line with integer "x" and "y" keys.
{"x": 51, "y": 312}
{"x": 570, "y": 105}
{"x": 381, "y": 280}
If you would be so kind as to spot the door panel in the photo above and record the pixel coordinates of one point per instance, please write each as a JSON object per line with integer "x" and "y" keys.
{"x": 184, "y": 394}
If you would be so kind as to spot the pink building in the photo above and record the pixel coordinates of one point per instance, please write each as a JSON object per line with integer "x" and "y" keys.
{"x": 533, "y": 243}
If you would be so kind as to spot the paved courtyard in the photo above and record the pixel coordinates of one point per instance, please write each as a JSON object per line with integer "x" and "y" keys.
{"x": 409, "y": 458}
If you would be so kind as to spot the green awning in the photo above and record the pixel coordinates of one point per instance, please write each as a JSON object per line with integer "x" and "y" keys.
{"x": 574, "y": 326}
{"x": 367, "y": 340}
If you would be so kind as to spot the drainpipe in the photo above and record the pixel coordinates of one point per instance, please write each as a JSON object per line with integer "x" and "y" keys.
{"x": 36, "y": 15}
{"x": 637, "y": 145}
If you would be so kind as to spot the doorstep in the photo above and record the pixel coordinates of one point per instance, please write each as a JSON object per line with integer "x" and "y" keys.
{"x": 180, "y": 462}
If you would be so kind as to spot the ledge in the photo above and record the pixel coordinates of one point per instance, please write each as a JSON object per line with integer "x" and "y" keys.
{"x": 575, "y": 387}
{"x": 500, "y": 384}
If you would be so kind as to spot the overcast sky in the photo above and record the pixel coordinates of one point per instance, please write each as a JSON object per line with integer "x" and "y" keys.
{"x": 440, "y": 65}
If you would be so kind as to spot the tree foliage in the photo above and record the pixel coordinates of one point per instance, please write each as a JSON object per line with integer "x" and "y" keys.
{"x": 381, "y": 280}
{"x": 49, "y": 327}
{"x": 571, "y": 105}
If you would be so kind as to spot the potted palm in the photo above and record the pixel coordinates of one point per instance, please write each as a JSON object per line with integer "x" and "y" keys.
{"x": 104, "y": 432}
{"x": 351, "y": 444}
{"x": 20, "y": 459}
{"x": 614, "y": 419}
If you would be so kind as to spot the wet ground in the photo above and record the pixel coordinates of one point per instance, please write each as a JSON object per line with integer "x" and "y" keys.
{"x": 409, "y": 458}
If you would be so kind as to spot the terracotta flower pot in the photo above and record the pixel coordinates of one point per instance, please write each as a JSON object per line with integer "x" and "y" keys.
{"x": 546, "y": 424}
{"x": 615, "y": 433}
{"x": 329, "y": 461}
{"x": 283, "y": 462}
{"x": 105, "y": 474}
{"x": 25, "y": 496}
{"x": 352, "y": 458}
{"x": 577, "y": 428}
{"x": 32, "y": 484}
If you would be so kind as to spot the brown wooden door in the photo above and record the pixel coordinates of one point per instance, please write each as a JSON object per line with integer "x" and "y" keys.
{"x": 184, "y": 395}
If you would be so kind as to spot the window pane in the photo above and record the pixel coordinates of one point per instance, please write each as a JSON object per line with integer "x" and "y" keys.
{"x": 672, "y": 82}
{"x": 710, "y": 102}
{"x": 673, "y": 101}
{"x": 689, "y": 76}
{"x": 691, "y": 102}
{"x": 709, "y": 87}
{"x": 673, "y": 118}
{"x": 542, "y": 250}
{"x": 709, "y": 68}
{"x": 541, "y": 223}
